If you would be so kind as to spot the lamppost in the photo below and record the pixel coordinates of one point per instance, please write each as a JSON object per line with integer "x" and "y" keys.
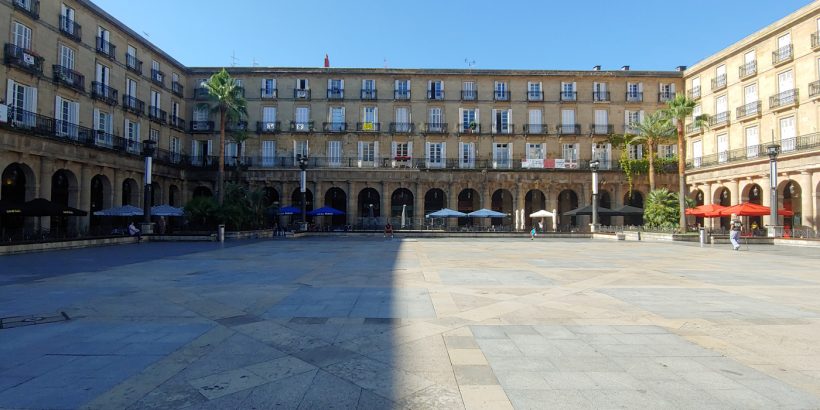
{"x": 772, "y": 150}
{"x": 303, "y": 160}
{"x": 148, "y": 153}
{"x": 593, "y": 165}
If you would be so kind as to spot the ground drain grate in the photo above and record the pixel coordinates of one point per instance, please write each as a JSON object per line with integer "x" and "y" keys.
{"x": 382, "y": 321}
{"x": 309, "y": 320}
{"x": 20, "y": 321}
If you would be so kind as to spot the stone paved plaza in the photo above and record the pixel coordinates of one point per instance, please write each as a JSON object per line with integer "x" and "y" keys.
{"x": 320, "y": 323}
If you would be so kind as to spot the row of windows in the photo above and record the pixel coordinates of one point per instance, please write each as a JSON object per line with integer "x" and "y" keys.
{"x": 752, "y": 147}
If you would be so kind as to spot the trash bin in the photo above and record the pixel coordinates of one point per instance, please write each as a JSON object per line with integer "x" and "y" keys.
{"x": 220, "y": 233}
{"x": 702, "y": 236}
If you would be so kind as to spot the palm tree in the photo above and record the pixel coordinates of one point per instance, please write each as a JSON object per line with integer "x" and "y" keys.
{"x": 677, "y": 110}
{"x": 230, "y": 106}
{"x": 655, "y": 129}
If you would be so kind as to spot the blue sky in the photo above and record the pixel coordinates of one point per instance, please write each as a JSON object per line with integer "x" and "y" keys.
{"x": 510, "y": 34}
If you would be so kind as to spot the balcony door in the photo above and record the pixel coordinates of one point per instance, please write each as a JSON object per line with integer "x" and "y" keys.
{"x": 337, "y": 118}
{"x": 721, "y": 105}
{"x": 466, "y": 155}
{"x": 567, "y": 121}
{"x": 68, "y": 117}
{"x": 787, "y": 134}
{"x": 501, "y": 121}
{"x": 402, "y": 119}
{"x": 535, "y": 126}
{"x": 67, "y": 57}
{"x": 601, "y": 121}
{"x": 752, "y": 142}
{"x": 303, "y": 117}
{"x": 602, "y": 152}
{"x": 750, "y": 94}
{"x": 334, "y": 153}
{"x": 697, "y": 152}
{"x": 22, "y": 36}
{"x": 502, "y": 155}
{"x": 785, "y": 81}
{"x": 723, "y": 147}
{"x": 435, "y": 118}
{"x": 24, "y": 103}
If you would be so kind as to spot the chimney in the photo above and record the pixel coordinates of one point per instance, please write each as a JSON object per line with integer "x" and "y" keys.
{"x": 596, "y": 68}
{"x": 680, "y": 68}
{"x": 625, "y": 68}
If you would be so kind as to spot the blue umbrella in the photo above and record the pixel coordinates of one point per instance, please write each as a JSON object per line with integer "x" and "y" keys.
{"x": 325, "y": 211}
{"x": 487, "y": 213}
{"x": 446, "y": 213}
{"x": 289, "y": 210}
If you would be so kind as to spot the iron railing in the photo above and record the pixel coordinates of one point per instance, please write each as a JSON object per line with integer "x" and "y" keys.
{"x": 501, "y": 129}
{"x": 568, "y": 129}
{"x": 815, "y": 40}
{"x": 435, "y": 94}
{"x": 747, "y": 70}
{"x": 634, "y": 96}
{"x": 666, "y": 96}
{"x": 783, "y": 54}
{"x": 177, "y": 88}
{"x": 719, "y": 82}
{"x": 401, "y": 95}
{"x": 298, "y": 126}
{"x": 368, "y": 95}
{"x": 234, "y": 126}
{"x": 334, "y": 126}
{"x": 157, "y": 115}
{"x": 719, "y": 119}
{"x": 402, "y": 127}
{"x": 469, "y": 95}
{"x": 469, "y": 128}
{"x": 201, "y": 93}
{"x": 499, "y": 95}
{"x": 268, "y": 93}
{"x": 133, "y": 63}
{"x": 600, "y": 96}
{"x": 104, "y": 93}
{"x": 158, "y": 77}
{"x": 693, "y": 93}
{"x": 69, "y": 77}
{"x": 601, "y": 129}
{"x": 105, "y": 48}
{"x": 23, "y": 59}
{"x": 784, "y": 99}
{"x": 70, "y": 28}
{"x": 176, "y": 122}
{"x": 133, "y": 104}
{"x": 535, "y": 95}
{"x": 301, "y": 94}
{"x": 568, "y": 96}
{"x": 802, "y": 143}
{"x": 536, "y": 129}
{"x": 335, "y": 94}
{"x": 29, "y": 7}
{"x": 693, "y": 128}
{"x": 435, "y": 127}
{"x": 368, "y": 126}
{"x": 750, "y": 109}
{"x": 202, "y": 127}
{"x": 814, "y": 89}
{"x": 268, "y": 127}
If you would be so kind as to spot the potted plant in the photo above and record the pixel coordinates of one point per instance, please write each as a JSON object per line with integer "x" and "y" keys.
{"x": 472, "y": 125}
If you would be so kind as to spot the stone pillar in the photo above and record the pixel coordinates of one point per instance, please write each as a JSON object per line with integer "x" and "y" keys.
{"x": 352, "y": 210}
{"x": 812, "y": 192}
{"x": 519, "y": 198}
{"x": 418, "y": 207}
{"x": 46, "y": 172}
{"x": 84, "y": 192}
{"x": 452, "y": 202}
{"x": 734, "y": 191}
{"x": 116, "y": 188}
{"x": 806, "y": 200}
{"x": 385, "y": 202}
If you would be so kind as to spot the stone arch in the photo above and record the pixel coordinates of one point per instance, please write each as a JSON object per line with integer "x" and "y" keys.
{"x": 65, "y": 192}
{"x": 468, "y": 201}
{"x": 402, "y": 199}
{"x": 203, "y": 191}
{"x": 173, "y": 196}
{"x": 270, "y": 196}
{"x": 130, "y": 192}
{"x": 501, "y": 201}
{"x": 435, "y": 199}
{"x": 792, "y": 200}
{"x": 336, "y": 198}
{"x": 369, "y": 206}
{"x": 534, "y": 201}
{"x": 605, "y": 200}
{"x": 634, "y": 198}
{"x": 698, "y": 196}
{"x": 18, "y": 183}
{"x": 723, "y": 196}
{"x": 296, "y": 200}
{"x": 567, "y": 201}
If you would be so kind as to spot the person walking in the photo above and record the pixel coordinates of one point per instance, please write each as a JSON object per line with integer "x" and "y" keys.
{"x": 532, "y": 233}
{"x": 734, "y": 233}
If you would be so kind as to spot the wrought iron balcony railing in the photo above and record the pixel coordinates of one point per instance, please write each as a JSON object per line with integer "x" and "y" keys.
{"x": 401, "y": 95}
{"x": 105, "y": 48}
{"x": 157, "y": 115}
{"x": 469, "y": 95}
{"x": 503, "y": 130}
{"x": 808, "y": 142}
{"x": 234, "y": 126}
{"x": 747, "y": 70}
{"x": 368, "y": 95}
{"x": 202, "y": 127}
{"x": 71, "y": 29}
{"x": 240, "y": 91}
{"x": 201, "y": 93}
{"x": 435, "y": 94}
{"x": 601, "y": 129}
{"x": 536, "y": 129}
{"x": 720, "y": 119}
{"x": 268, "y": 127}
{"x": 469, "y": 128}
{"x": 782, "y": 55}
{"x": 368, "y": 126}
{"x": 666, "y": 96}
{"x": 334, "y": 126}
{"x": 133, "y": 104}
{"x": 535, "y": 95}
{"x": 568, "y": 96}
{"x": 104, "y": 93}
{"x": 299, "y": 126}
{"x": 335, "y": 94}
{"x": 69, "y": 77}
{"x": 29, "y": 7}
{"x": 785, "y": 99}
{"x": 693, "y": 93}
{"x": 719, "y": 82}
{"x": 133, "y": 63}
{"x": 814, "y": 89}
{"x": 268, "y": 93}
{"x": 815, "y": 40}
{"x": 176, "y": 122}
{"x": 402, "y": 127}
{"x": 748, "y": 110}
{"x": 301, "y": 94}
{"x": 634, "y": 96}
{"x": 499, "y": 95}
{"x": 177, "y": 88}
{"x": 693, "y": 128}
{"x": 23, "y": 59}
{"x": 600, "y": 96}
{"x": 158, "y": 77}
{"x": 568, "y": 129}
{"x": 435, "y": 127}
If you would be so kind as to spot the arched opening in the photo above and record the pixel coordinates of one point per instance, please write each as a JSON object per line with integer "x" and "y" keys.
{"x": 501, "y": 201}
{"x": 296, "y": 200}
{"x": 402, "y": 201}
{"x": 336, "y": 198}
{"x": 270, "y": 196}
{"x": 754, "y": 194}
{"x": 203, "y": 192}
{"x": 173, "y": 196}
{"x": 697, "y": 196}
{"x": 605, "y": 201}
{"x": 791, "y": 202}
{"x": 63, "y": 192}
{"x": 534, "y": 201}
{"x": 130, "y": 193}
{"x": 724, "y": 198}
{"x": 156, "y": 194}
{"x": 636, "y": 200}
{"x": 434, "y": 199}
{"x": 468, "y": 201}
{"x": 17, "y": 185}
{"x": 100, "y": 199}
{"x": 567, "y": 201}
{"x": 369, "y": 207}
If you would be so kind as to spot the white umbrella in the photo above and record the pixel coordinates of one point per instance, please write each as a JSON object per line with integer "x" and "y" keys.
{"x": 403, "y": 215}
{"x": 542, "y": 214}
{"x": 446, "y": 213}
{"x": 555, "y": 220}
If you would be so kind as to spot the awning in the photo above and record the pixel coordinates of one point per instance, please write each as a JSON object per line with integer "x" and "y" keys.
{"x": 704, "y": 210}
{"x": 44, "y": 207}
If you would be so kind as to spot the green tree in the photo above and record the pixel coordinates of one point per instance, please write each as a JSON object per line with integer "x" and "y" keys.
{"x": 661, "y": 209}
{"x": 231, "y": 106}
{"x": 655, "y": 129}
{"x": 677, "y": 110}
{"x": 201, "y": 211}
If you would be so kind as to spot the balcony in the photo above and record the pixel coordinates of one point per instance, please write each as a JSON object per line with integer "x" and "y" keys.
{"x": 469, "y": 95}
{"x": 176, "y": 89}
{"x": 401, "y": 95}
{"x": 601, "y": 129}
{"x": 28, "y": 7}
{"x": 568, "y": 96}
{"x": 499, "y": 95}
{"x": 720, "y": 119}
{"x": 815, "y": 41}
{"x": 23, "y": 59}
{"x": 301, "y": 94}
{"x": 435, "y": 127}
{"x": 157, "y": 115}
{"x": 268, "y": 93}
{"x": 631, "y": 129}
{"x": 133, "y": 104}
{"x": 268, "y": 127}
{"x": 435, "y": 94}
{"x": 472, "y": 128}
{"x": 634, "y": 96}
{"x": 719, "y": 82}
{"x": 693, "y": 129}
{"x": 176, "y": 122}
{"x": 600, "y": 96}
{"x": 335, "y": 94}
{"x": 133, "y": 64}
{"x": 747, "y": 70}
{"x": 201, "y": 93}
{"x": 535, "y": 95}
{"x": 236, "y": 126}
{"x": 568, "y": 129}
{"x": 71, "y": 29}
{"x": 502, "y": 129}
{"x": 785, "y": 99}
{"x": 808, "y": 142}
{"x": 783, "y": 55}
{"x": 368, "y": 126}
{"x": 334, "y": 126}
{"x": 750, "y": 110}
{"x": 68, "y": 77}
{"x": 814, "y": 89}
{"x": 536, "y": 129}
{"x": 402, "y": 127}
{"x": 104, "y": 93}
{"x": 202, "y": 127}
{"x": 240, "y": 91}
{"x": 106, "y": 49}
{"x": 693, "y": 93}
{"x": 298, "y": 126}
{"x": 368, "y": 95}
{"x": 666, "y": 96}
{"x": 158, "y": 77}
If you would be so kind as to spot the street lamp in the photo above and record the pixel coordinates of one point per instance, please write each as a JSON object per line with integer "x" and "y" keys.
{"x": 772, "y": 150}
{"x": 303, "y": 160}
{"x": 148, "y": 153}
{"x": 593, "y": 165}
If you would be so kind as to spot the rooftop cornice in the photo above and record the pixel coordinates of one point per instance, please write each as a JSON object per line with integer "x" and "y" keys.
{"x": 436, "y": 71}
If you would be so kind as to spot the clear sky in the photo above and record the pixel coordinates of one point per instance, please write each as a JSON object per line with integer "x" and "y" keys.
{"x": 507, "y": 34}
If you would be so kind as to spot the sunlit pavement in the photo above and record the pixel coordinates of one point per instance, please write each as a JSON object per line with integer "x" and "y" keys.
{"x": 406, "y": 323}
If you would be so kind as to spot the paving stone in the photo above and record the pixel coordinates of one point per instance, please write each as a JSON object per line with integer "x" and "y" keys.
{"x": 222, "y": 384}
{"x": 474, "y": 375}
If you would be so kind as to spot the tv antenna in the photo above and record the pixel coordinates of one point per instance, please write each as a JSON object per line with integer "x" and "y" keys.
{"x": 470, "y": 63}
{"x": 385, "y": 62}
{"x": 233, "y": 58}
{"x": 254, "y": 63}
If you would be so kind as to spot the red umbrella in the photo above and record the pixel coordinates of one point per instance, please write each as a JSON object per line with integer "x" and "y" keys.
{"x": 704, "y": 210}
{"x": 750, "y": 209}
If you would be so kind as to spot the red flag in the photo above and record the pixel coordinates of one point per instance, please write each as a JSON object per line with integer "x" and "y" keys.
{"x": 327, "y": 61}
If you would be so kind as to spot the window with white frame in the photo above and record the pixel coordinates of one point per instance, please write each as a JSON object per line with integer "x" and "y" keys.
{"x": 535, "y": 151}
{"x": 501, "y": 91}
{"x": 466, "y": 158}
{"x": 232, "y": 152}
{"x": 402, "y": 120}
{"x": 368, "y": 89}
{"x": 788, "y": 134}
{"x": 631, "y": 120}
{"x": 667, "y": 92}
{"x": 300, "y": 148}
{"x": 268, "y": 119}
{"x": 435, "y": 154}
{"x": 132, "y": 135}
{"x": 599, "y": 92}
{"x": 302, "y": 88}
{"x": 502, "y": 155}
{"x": 367, "y": 153}
{"x": 103, "y": 124}
{"x": 67, "y": 20}
{"x": 469, "y": 91}
{"x": 435, "y": 90}
{"x": 535, "y": 125}
{"x": 667, "y": 151}
{"x": 337, "y": 119}
{"x": 697, "y": 153}
{"x": 335, "y": 88}
{"x": 434, "y": 118}
{"x": 268, "y": 153}
{"x": 635, "y": 151}
{"x": 534, "y": 92}
{"x": 268, "y": 88}
{"x": 401, "y": 90}
{"x": 750, "y": 99}
{"x": 103, "y": 76}
{"x": 469, "y": 120}
{"x": 156, "y": 74}
{"x": 302, "y": 119}
{"x": 334, "y": 153}
{"x": 501, "y": 121}
{"x": 22, "y": 100}
{"x": 68, "y": 117}
{"x": 634, "y": 91}
{"x": 401, "y": 150}
{"x": 601, "y": 125}
{"x": 370, "y": 119}
{"x": 66, "y": 59}
{"x": 174, "y": 146}
{"x": 567, "y": 122}
{"x": 569, "y": 152}
{"x": 603, "y": 153}
{"x": 21, "y": 35}
{"x": 568, "y": 91}
{"x": 752, "y": 142}
{"x": 723, "y": 147}
{"x": 153, "y": 134}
